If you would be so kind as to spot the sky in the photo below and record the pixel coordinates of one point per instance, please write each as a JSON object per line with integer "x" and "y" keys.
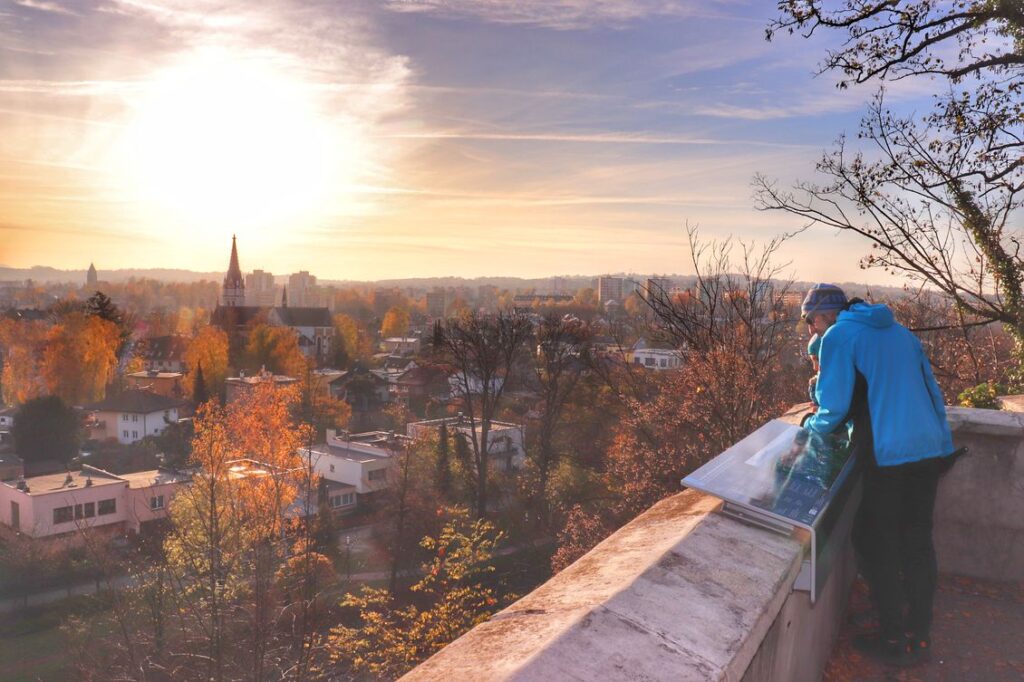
{"x": 379, "y": 139}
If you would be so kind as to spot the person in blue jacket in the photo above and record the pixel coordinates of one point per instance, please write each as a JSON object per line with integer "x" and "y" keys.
{"x": 819, "y": 309}
{"x": 875, "y": 373}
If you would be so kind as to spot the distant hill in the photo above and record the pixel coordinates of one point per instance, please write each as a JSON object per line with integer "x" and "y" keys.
{"x": 570, "y": 283}
{"x": 47, "y": 275}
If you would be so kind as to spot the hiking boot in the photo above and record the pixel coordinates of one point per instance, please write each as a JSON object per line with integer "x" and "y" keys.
{"x": 894, "y": 652}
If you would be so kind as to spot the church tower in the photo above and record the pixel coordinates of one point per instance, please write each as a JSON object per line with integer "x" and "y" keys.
{"x": 234, "y": 285}
{"x": 90, "y": 277}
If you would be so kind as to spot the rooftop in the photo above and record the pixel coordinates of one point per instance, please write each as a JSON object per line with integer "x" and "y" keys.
{"x": 153, "y": 374}
{"x": 147, "y": 479}
{"x": 135, "y": 401}
{"x": 88, "y": 477}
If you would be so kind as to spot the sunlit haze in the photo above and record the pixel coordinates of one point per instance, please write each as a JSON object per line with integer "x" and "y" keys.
{"x": 371, "y": 140}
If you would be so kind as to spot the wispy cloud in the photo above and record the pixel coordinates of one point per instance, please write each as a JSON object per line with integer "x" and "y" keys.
{"x": 45, "y": 6}
{"x": 642, "y": 138}
{"x": 559, "y": 14}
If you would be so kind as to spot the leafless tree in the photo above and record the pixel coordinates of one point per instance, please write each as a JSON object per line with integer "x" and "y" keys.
{"x": 483, "y": 349}
{"x": 937, "y": 196}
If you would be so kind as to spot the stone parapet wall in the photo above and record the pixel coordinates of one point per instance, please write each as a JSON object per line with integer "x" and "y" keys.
{"x": 685, "y": 593}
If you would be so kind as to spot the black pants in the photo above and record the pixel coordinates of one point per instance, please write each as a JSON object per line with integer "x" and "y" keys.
{"x": 892, "y": 535}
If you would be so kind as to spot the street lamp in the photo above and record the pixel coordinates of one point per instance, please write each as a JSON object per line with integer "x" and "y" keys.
{"x": 348, "y": 557}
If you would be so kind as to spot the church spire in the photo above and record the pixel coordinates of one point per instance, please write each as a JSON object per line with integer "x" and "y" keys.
{"x": 234, "y": 285}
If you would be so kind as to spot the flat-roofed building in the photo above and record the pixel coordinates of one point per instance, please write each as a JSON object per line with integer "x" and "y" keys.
{"x": 56, "y": 504}
{"x": 505, "y": 440}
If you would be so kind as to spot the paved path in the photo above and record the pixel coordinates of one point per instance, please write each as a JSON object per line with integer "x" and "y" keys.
{"x": 120, "y": 582}
{"x": 976, "y": 636}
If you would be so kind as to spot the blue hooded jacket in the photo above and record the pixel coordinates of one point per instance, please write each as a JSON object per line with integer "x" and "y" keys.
{"x": 907, "y": 412}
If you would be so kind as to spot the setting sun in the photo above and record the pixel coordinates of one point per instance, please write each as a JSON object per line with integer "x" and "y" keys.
{"x": 225, "y": 138}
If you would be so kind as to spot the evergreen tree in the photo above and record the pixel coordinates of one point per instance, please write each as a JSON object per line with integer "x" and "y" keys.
{"x": 46, "y": 428}
{"x": 200, "y": 394}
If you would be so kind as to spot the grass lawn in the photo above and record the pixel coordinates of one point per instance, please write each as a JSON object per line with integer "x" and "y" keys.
{"x": 35, "y": 656}
{"x": 32, "y": 645}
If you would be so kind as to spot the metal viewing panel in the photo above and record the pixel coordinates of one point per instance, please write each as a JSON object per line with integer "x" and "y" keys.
{"x": 784, "y": 477}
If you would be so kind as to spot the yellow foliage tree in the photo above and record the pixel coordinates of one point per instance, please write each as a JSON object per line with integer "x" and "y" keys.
{"x": 207, "y": 349}
{"x": 396, "y": 323}
{"x": 22, "y": 344}
{"x": 80, "y": 357}
{"x": 276, "y": 349}
{"x": 224, "y": 543}
{"x": 392, "y": 639}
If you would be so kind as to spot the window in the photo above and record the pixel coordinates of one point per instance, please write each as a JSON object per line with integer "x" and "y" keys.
{"x": 664, "y": 362}
{"x": 376, "y": 475}
{"x": 345, "y": 500}
{"x": 135, "y": 435}
{"x": 124, "y": 417}
{"x": 332, "y": 468}
{"x": 135, "y": 417}
{"x": 90, "y": 510}
{"x": 124, "y": 433}
{"x": 649, "y": 362}
{"x": 636, "y": 360}
{"x": 78, "y": 511}
{"x": 108, "y": 507}
{"x": 156, "y": 502}
{"x": 63, "y": 515}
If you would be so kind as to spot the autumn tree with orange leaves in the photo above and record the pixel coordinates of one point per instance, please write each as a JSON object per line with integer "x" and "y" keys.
{"x": 80, "y": 357}
{"x": 22, "y": 345}
{"x": 207, "y": 349}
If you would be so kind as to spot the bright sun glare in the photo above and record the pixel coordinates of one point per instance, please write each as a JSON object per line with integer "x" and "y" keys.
{"x": 230, "y": 140}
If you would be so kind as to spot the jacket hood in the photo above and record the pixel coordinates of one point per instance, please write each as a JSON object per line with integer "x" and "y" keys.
{"x": 874, "y": 315}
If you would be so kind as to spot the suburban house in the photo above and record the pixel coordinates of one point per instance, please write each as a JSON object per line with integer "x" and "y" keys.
{"x": 655, "y": 355}
{"x": 359, "y": 461}
{"x": 415, "y": 387}
{"x": 505, "y": 440}
{"x": 363, "y": 389}
{"x": 55, "y": 504}
{"x": 238, "y": 386}
{"x": 7, "y": 415}
{"x": 134, "y": 414}
{"x": 163, "y": 383}
{"x": 163, "y": 353}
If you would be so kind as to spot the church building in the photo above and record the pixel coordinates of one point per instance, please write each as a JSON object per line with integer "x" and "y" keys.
{"x": 313, "y": 325}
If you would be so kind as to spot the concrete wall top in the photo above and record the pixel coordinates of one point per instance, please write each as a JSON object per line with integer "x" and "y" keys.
{"x": 678, "y": 593}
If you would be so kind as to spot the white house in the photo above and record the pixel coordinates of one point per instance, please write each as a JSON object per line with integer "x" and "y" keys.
{"x": 505, "y": 440}
{"x": 359, "y": 460}
{"x": 134, "y": 414}
{"x": 55, "y": 504}
{"x": 656, "y": 356}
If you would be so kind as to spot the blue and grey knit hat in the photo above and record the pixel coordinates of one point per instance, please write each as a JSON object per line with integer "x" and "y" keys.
{"x": 823, "y": 298}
